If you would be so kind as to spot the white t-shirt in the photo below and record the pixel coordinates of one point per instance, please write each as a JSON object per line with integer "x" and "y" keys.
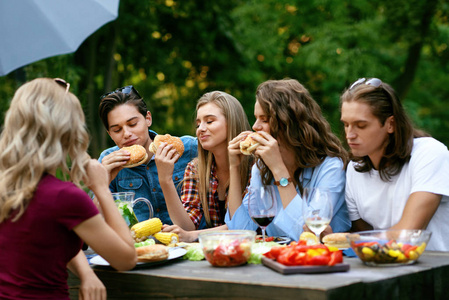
{"x": 381, "y": 203}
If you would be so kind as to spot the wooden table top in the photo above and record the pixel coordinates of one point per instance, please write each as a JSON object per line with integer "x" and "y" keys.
{"x": 192, "y": 279}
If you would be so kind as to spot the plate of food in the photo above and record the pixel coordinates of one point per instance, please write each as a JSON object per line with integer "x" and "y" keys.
{"x": 148, "y": 255}
{"x": 277, "y": 239}
{"x": 303, "y": 269}
{"x": 299, "y": 257}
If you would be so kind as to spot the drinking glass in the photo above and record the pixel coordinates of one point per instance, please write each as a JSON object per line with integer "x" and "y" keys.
{"x": 316, "y": 209}
{"x": 262, "y": 206}
{"x": 125, "y": 203}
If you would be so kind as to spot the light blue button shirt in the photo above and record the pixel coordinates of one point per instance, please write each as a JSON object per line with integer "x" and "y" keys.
{"x": 289, "y": 221}
{"x": 143, "y": 180}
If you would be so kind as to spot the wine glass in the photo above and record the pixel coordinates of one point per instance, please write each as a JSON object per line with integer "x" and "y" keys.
{"x": 317, "y": 209}
{"x": 262, "y": 206}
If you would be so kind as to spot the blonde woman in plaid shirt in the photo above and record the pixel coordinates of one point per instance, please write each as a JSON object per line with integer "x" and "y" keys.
{"x": 219, "y": 119}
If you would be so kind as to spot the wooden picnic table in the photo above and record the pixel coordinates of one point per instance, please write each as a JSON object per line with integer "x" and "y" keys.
{"x": 180, "y": 278}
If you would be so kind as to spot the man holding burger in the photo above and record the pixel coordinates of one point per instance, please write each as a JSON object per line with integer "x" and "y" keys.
{"x": 127, "y": 121}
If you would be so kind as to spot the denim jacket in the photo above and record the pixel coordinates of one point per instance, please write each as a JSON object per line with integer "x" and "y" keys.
{"x": 144, "y": 182}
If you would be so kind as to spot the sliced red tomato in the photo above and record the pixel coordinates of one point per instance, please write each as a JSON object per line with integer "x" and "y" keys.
{"x": 232, "y": 254}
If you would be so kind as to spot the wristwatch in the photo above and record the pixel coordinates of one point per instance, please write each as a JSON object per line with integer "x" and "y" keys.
{"x": 283, "y": 181}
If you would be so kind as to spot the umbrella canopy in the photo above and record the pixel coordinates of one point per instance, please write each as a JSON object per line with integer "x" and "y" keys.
{"x": 31, "y": 30}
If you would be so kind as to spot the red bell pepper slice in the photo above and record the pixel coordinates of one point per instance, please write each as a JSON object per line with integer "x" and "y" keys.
{"x": 406, "y": 248}
{"x": 274, "y": 252}
{"x": 318, "y": 260}
{"x": 336, "y": 258}
{"x": 366, "y": 244}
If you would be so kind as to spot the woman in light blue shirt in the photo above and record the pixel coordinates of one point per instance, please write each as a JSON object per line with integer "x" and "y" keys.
{"x": 297, "y": 150}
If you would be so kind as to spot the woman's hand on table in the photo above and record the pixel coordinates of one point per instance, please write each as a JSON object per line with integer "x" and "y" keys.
{"x": 92, "y": 288}
{"x": 184, "y": 236}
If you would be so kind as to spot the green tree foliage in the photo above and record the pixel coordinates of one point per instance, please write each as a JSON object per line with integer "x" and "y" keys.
{"x": 175, "y": 51}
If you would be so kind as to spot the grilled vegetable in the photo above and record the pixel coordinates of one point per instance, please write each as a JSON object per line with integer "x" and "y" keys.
{"x": 142, "y": 230}
{"x": 166, "y": 237}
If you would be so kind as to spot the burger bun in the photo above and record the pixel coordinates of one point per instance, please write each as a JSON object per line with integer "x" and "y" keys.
{"x": 138, "y": 155}
{"x": 337, "y": 240}
{"x": 152, "y": 253}
{"x": 248, "y": 145}
{"x": 166, "y": 138}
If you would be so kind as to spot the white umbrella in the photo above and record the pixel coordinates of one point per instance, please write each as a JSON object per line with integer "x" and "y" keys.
{"x": 31, "y": 30}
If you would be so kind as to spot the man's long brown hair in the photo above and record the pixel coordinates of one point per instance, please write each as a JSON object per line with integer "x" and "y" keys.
{"x": 297, "y": 122}
{"x": 385, "y": 103}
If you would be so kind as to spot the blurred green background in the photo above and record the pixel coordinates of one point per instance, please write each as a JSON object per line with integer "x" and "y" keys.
{"x": 175, "y": 51}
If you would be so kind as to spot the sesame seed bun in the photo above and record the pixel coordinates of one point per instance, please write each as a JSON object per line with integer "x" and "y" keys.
{"x": 138, "y": 156}
{"x": 166, "y": 138}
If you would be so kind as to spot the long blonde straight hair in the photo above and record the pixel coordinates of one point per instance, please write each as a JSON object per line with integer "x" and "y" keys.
{"x": 44, "y": 128}
{"x": 237, "y": 121}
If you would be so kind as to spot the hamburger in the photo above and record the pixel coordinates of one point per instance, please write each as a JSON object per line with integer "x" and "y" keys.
{"x": 152, "y": 253}
{"x": 138, "y": 156}
{"x": 172, "y": 140}
{"x": 337, "y": 240}
{"x": 248, "y": 145}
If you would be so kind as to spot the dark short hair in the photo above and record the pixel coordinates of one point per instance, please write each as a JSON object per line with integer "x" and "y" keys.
{"x": 113, "y": 100}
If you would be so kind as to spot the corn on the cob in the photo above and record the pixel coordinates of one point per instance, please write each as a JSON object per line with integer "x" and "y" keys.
{"x": 142, "y": 230}
{"x": 166, "y": 238}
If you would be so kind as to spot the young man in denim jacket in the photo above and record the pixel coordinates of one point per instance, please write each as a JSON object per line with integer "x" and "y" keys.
{"x": 126, "y": 118}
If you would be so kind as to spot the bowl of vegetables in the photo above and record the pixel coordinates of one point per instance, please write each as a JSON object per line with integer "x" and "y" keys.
{"x": 227, "y": 248}
{"x": 389, "y": 247}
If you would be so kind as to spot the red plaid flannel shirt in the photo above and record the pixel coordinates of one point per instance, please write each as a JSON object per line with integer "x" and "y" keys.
{"x": 191, "y": 199}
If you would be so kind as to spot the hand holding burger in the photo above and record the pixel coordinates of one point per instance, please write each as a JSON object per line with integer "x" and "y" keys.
{"x": 172, "y": 140}
{"x": 248, "y": 146}
{"x": 138, "y": 155}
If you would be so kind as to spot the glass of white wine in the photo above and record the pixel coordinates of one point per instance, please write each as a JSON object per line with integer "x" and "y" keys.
{"x": 317, "y": 209}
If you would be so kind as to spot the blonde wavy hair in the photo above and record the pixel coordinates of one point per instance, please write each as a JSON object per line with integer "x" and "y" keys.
{"x": 44, "y": 129}
{"x": 237, "y": 121}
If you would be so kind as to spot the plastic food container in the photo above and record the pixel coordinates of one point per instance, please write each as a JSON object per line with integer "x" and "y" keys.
{"x": 389, "y": 247}
{"x": 227, "y": 248}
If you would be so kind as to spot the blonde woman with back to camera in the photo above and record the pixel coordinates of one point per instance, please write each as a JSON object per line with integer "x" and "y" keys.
{"x": 44, "y": 220}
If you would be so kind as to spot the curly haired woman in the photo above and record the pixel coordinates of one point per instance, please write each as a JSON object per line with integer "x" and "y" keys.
{"x": 297, "y": 150}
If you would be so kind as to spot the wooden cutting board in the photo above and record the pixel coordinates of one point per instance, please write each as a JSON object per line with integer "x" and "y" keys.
{"x": 272, "y": 264}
